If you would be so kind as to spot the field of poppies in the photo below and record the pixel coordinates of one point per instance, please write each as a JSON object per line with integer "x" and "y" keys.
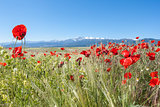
{"x": 103, "y": 75}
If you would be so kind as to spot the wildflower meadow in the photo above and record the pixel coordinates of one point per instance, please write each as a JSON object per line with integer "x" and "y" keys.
{"x": 102, "y": 75}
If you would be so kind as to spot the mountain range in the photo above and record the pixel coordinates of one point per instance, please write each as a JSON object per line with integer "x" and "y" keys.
{"x": 76, "y": 42}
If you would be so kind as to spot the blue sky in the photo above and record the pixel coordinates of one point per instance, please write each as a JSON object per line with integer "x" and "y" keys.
{"x": 63, "y": 19}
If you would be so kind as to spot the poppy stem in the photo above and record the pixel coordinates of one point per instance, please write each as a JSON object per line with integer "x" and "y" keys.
{"x": 15, "y": 44}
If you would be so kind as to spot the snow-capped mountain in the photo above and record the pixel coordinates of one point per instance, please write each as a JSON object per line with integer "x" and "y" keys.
{"x": 76, "y": 42}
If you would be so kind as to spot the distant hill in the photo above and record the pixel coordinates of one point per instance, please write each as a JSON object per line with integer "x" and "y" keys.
{"x": 76, "y": 42}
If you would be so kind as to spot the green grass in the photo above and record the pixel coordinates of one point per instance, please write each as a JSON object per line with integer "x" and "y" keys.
{"x": 28, "y": 83}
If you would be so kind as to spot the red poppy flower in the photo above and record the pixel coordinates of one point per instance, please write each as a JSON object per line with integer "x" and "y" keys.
{"x": 114, "y": 51}
{"x": 19, "y": 32}
{"x": 59, "y": 53}
{"x": 158, "y": 44}
{"x": 129, "y": 59}
{"x": 98, "y": 50}
{"x": 53, "y": 53}
{"x": 125, "y": 53}
{"x": 38, "y": 61}
{"x": 3, "y": 64}
{"x": 62, "y": 49}
{"x": 17, "y": 52}
{"x": 107, "y": 60}
{"x": 108, "y": 69}
{"x": 61, "y": 64}
{"x": 24, "y": 58}
{"x": 45, "y": 54}
{"x": 102, "y": 46}
{"x": 32, "y": 55}
{"x": 152, "y": 41}
{"x": 151, "y": 58}
{"x": 135, "y": 58}
{"x": 92, "y": 47}
{"x": 153, "y": 82}
{"x": 120, "y": 48}
{"x": 151, "y": 55}
{"x": 126, "y": 62}
{"x": 137, "y": 37}
{"x": 25, "y": 52}
{"x": 127, "y": 75}
{"x": 98, "y": 54}
{"x": 79, "y": 59}
{"x": 86, "y": 53}
{"x": 158, "y": 49}
{"x": 142, "y": 40}
{"x": 81, "y": 76}
{"x": 105, "y": 51}
{"x": 134, "y": 49}
{"x": 72, "y": 77}
{"x": 144, "y": 45}
{"x": 10, "y": 48}
{"x": 67, "y": 55}
{"x": 124, "y": 81}
{"x": 154, "y": 74}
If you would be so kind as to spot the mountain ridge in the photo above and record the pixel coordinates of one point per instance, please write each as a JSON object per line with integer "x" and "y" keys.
{"x": 76, "y": 42}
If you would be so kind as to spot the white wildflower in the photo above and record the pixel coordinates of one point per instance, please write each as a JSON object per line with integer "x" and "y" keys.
{"x": 137, "y": 79}
{"x": 2, "y": 51}
{"x": 147, "y": 69}
{"x": 15, "y": 69}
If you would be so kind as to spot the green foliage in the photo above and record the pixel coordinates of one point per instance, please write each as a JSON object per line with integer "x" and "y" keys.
{"x": 28, "y": 83}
